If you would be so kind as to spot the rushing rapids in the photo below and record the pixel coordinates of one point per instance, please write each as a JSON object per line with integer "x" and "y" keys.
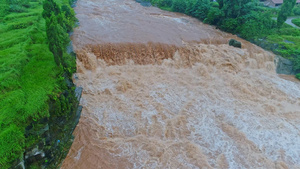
{"x": 162, "y": 90}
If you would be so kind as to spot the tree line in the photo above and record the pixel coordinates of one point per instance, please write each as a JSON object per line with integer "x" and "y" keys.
{"x": 245, "y": 17}
{"x": 59, "y": 21}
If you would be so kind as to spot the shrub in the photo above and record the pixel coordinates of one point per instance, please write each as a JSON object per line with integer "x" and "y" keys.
{"x": 16, "y": 8}
{"x": 289, "y": 31}
{"x": 229, "y": 25}
{"x": 214, "y": 16}
{"x": 296, "y": 21}
{"x": 298, "y": 76}
{"x": 296, "y": 10}
{"x": 256, "y": 24}
{"x": 178, "y": 6}
{"x": 296, "y": 61}
{"x": 165, "y": 3}
{"x": 203, "y": 9}
{"x": 285, "y": 11}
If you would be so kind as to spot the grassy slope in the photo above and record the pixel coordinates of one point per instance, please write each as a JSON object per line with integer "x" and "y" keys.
{"x": 27, "y": 77}
{"x": 289, "y": 38}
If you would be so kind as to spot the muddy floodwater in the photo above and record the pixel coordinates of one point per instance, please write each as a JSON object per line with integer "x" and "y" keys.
{"x": 115, "y": 21}
{"x": 163, "y": 90}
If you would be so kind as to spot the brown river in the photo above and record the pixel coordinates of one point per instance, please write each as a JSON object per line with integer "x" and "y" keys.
{"x": 163, "y": 90}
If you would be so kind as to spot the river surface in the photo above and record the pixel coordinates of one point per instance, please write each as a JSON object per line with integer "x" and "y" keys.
{"x": 163, "y": 90}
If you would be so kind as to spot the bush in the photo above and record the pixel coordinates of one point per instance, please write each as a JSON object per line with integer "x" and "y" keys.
{"x": 16, "y": 8}
{"x": 198, "y": 8}
{"x": 165, "y": 3}
{"x": 296, "y": 61}
{"x": 214, "y": 16}
{"x": 178, "y": 6}
{"x": 256, "y": 24}
{"x": 215, "y": 4}
{"x": 203, "y": 9}
{"x": 296, "y": 21}
{"x": 296, "y": 10}
{"x": 229, "y": 25}
{"x": 289, "y": 31}
{"x": 4, "y": 7}
{"x": 298, "y": 76}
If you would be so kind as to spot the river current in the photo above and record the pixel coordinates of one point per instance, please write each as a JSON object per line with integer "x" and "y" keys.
{"x": 163, "y": 90}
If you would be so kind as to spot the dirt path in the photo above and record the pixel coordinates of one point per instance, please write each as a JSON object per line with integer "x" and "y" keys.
{"x": 154, "y": 99}
{"x": 289, "y": 21}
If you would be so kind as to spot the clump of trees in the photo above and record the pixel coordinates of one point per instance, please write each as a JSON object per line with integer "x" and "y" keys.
{"x": 244, "y": 17}
{"x": 59, "y": 21}
{"x": 296, "y": 10}
{"x": 285, "y": 11}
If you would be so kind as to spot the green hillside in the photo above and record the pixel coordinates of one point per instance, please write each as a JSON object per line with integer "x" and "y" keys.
{"x": 29, "y": 76}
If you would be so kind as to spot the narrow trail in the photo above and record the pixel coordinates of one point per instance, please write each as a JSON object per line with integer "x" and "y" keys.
{"x": 289, "y": 21}
{"x": 163, "y": 90}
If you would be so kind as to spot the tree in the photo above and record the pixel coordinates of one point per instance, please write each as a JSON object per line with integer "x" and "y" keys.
{"x": 220, "y": 2}
{"x": 190, "y": 7}
{"x": 58, "y": 39}
{"x": 235, "y": 8}
{"x": 285, "y": 11}
{"x": 50, "y": 6}
{"x": 203, "y": 7}
{"x": 69, "y": 18}
{"x": 178, "y": 6}
{"x": 214, "y": 16}
{"x": 165, "y": 3}
{"x": 198, "y": 8}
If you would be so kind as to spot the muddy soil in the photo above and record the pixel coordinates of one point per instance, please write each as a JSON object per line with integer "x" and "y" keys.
{"x": 163, "y": 90}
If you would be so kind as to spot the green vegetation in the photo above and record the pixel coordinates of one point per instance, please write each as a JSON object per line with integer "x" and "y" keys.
{"x": 298, "y": 76}
{"x": 296, "y": 10}
{"x": 28, "y": 72}
{"x": 296, "y": 21}
{"x": 248, "y": 19}
{"x": 285, "y": 11}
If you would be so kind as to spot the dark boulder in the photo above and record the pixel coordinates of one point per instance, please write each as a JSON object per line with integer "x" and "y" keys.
{"x": 235, "y": 43}
{"x": 284, "y": 66}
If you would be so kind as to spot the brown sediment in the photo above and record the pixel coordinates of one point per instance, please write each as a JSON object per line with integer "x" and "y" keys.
{"x": 290, "y": 78}
{"x": 197, "y": 103}
{"x": 119, "y": 53}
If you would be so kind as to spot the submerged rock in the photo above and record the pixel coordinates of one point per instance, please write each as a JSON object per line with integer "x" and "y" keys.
{"x": 235, "y": 43}
{"x": 283, "y": 66}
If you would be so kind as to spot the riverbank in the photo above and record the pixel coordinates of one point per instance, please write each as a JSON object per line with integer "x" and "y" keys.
{"x": 34, "y": 90}
{"x": 254, "y": 24}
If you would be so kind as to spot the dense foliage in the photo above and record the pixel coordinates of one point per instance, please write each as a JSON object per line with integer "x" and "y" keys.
{"x": 296, "y": 21}
{"x": 298, "y": 76}
{"x": 29, "y": 77}
{"x": 248, "y": 19}
{"x": 296, "y": 10}
{"x": 285, "y": 11}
